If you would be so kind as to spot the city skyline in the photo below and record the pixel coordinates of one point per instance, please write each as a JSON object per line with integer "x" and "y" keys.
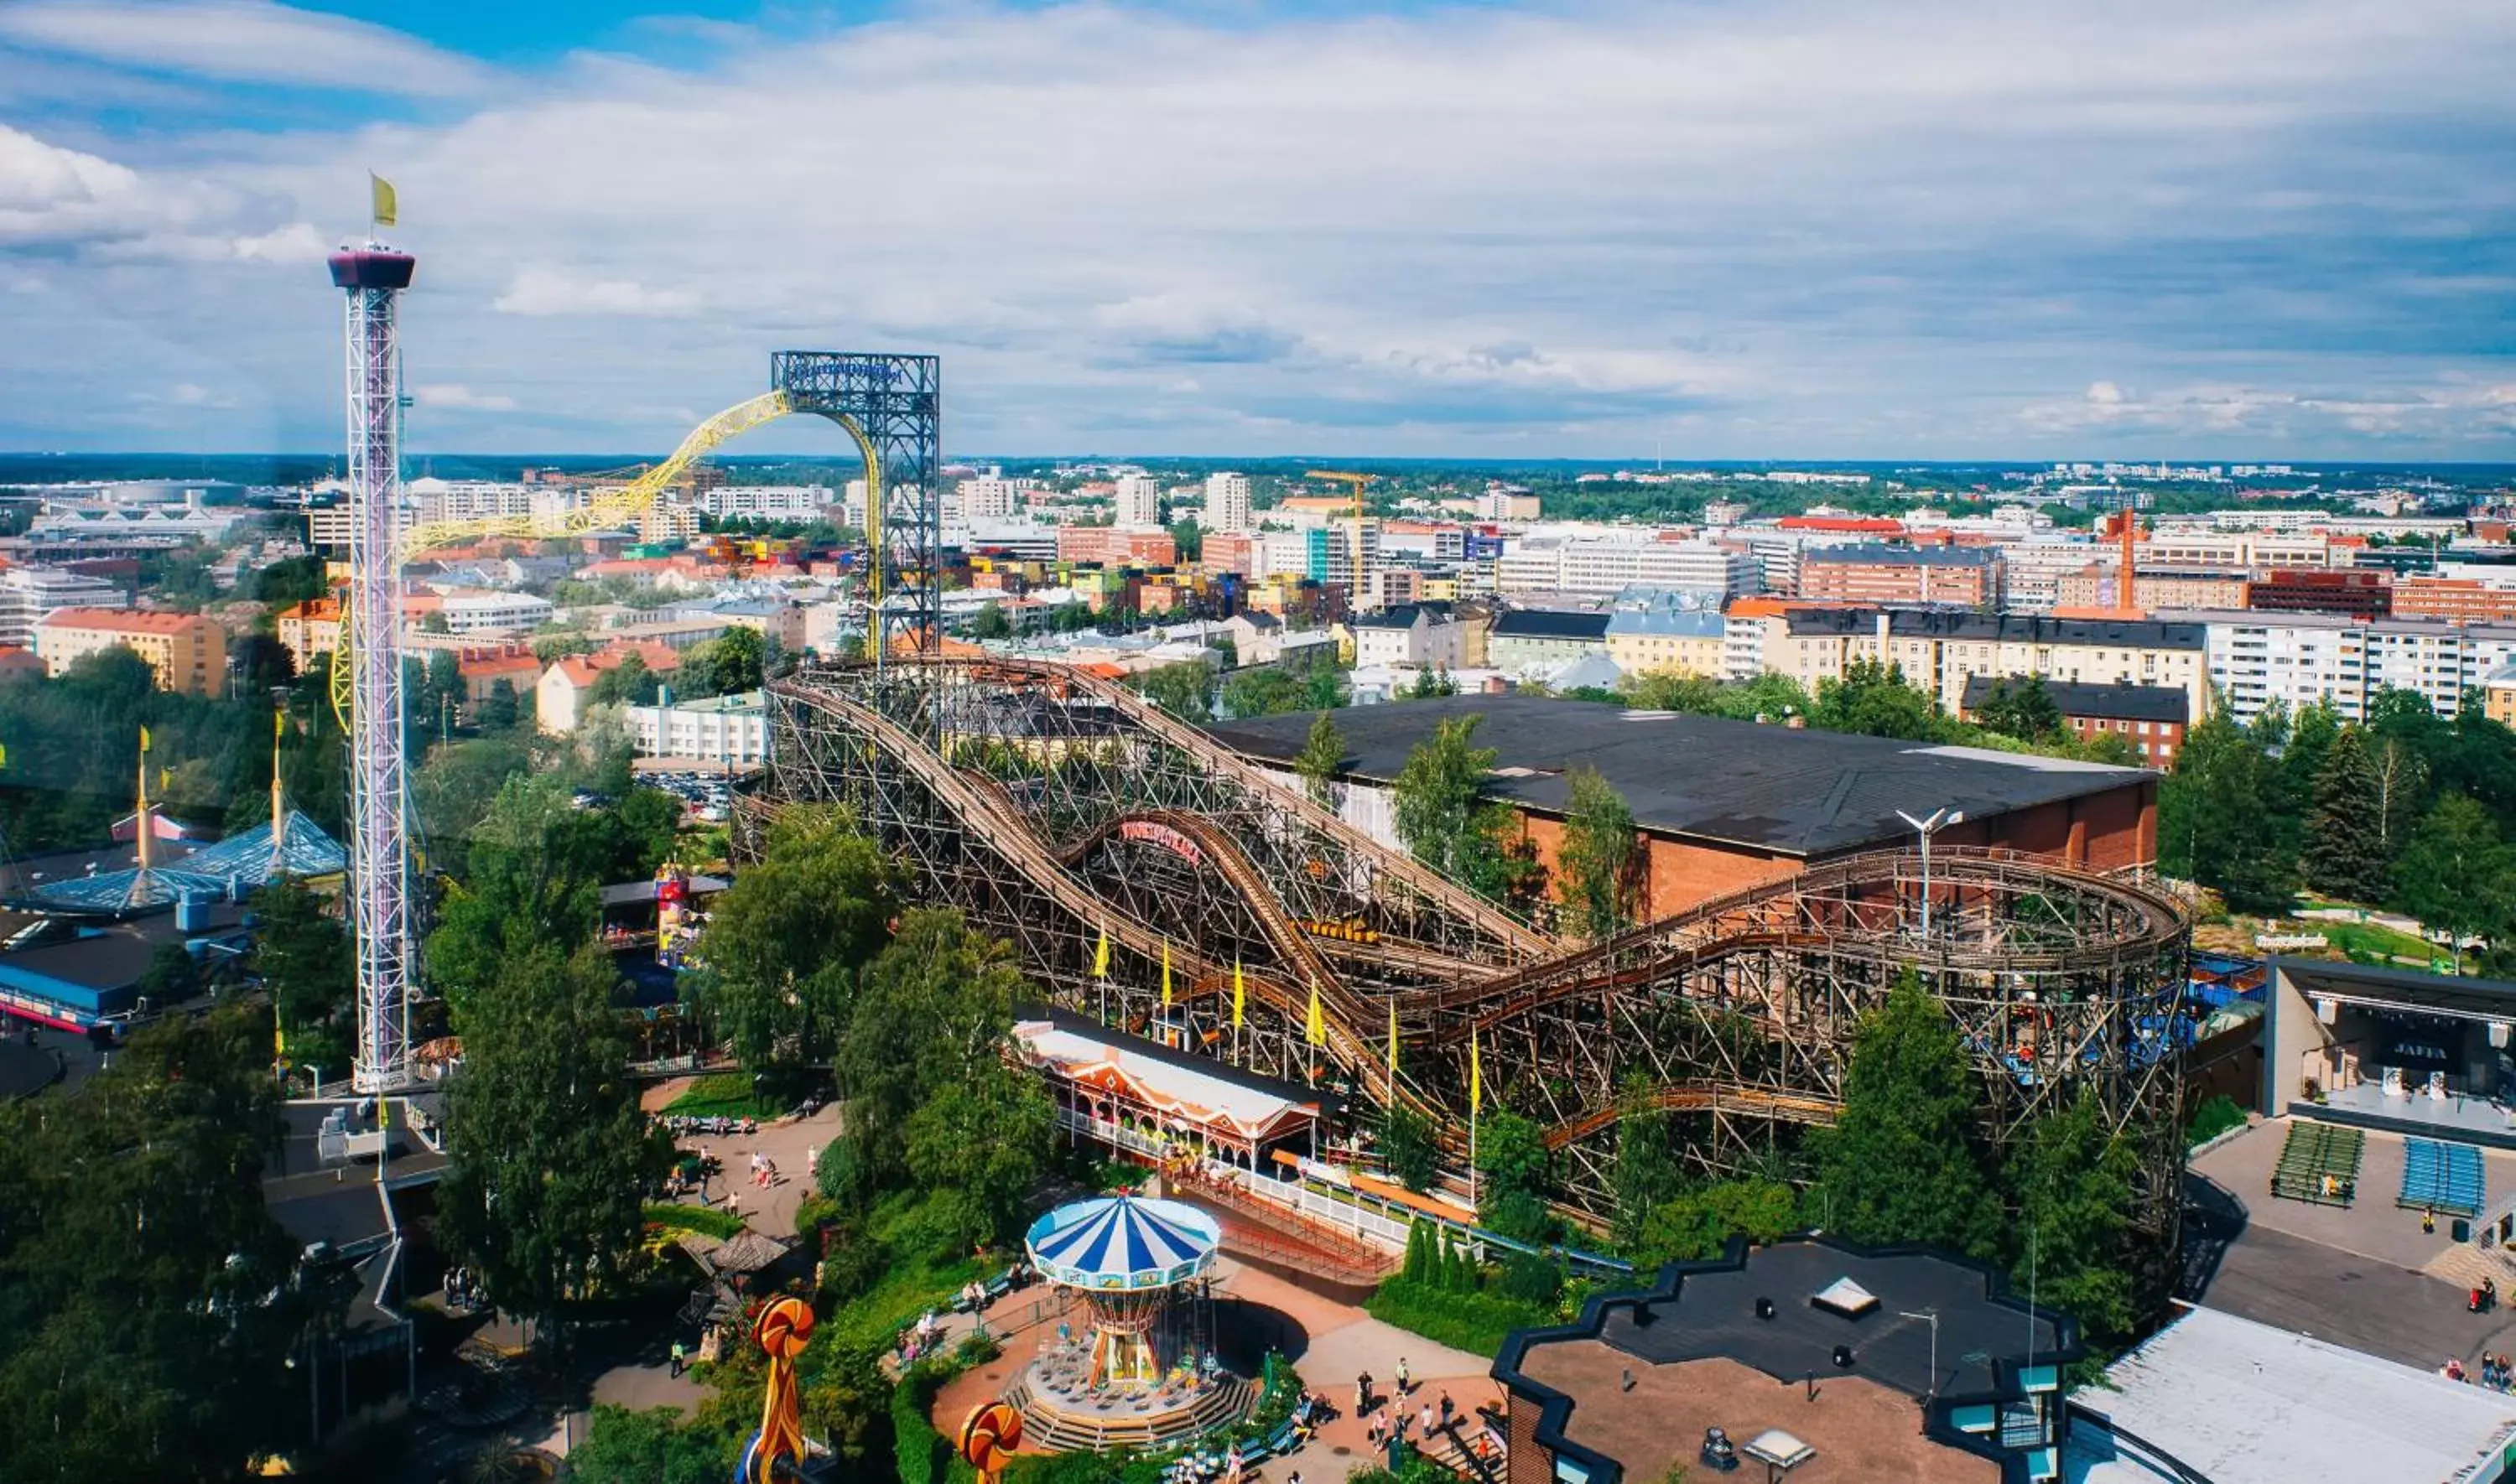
{"x": 1977, "y": 233}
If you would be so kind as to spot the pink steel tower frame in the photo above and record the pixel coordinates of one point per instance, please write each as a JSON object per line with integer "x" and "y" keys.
{"x": 374, "y": 276}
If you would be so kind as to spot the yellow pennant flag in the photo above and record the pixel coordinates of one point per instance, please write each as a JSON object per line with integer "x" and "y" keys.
{"x": 1393, "y": 1039}
{"x": 1476, "y": 1077}
{"x": 143, "y": 739}
{"x": 1100, "y": 955}
{"x": 388, "y": 205}
{"x": 1166, "y": 976}
{"x": 1239, "y": 995}
{"x": 1317, "y": 1030}
{"x": 4, "y": 756}
{"x": 278, "y": 725}
{"x": 165, "y": 777}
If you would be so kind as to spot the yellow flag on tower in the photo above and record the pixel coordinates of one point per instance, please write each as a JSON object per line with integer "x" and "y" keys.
{"x": 1166, "y": 976}
{"x": 1100, "y": 955}
{"x": 278, "y": 725}
{"x": 1239, "y": 995}
{"x": 143, "y": 739}
{"x": 1476, "y": 1076}
{"x": 1317, "y": 1031}
{"x": 388, "y": 205}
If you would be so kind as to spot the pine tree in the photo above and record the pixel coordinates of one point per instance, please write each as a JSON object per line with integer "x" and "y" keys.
{"x": 2345, "y": 856}
{"x": 1904, "y": 1161}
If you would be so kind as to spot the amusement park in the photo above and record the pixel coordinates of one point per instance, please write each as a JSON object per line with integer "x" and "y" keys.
{"x": 997, "y": 1065}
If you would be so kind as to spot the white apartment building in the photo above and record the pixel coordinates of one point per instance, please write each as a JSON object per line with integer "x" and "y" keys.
{"x": 29, "y": 593}
{"x": 1227, "y": 502}
{"x": 481, "y": 612}
{"x": 1418, "y": 635}
{"x": 434, "y": 499}
{"x": 1610, "y": 564}
{"x": 1138, "y": 502}
{"x": 2032, "y": 570}
{"x": 722, "y": 729}
{"x": 2300, "y": 658}
{"x": 1342, "y": 550}
{"x": 852, "y": 504}
{"x": 1938, "y": 649}
{"x": 768, "y": 502}
{"x": 986, "y": 498}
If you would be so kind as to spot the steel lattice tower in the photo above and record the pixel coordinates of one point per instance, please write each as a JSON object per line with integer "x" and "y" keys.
{"x": 375, "y": 277}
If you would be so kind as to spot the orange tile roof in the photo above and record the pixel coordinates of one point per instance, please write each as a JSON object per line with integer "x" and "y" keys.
{"x": 122, "y": 620}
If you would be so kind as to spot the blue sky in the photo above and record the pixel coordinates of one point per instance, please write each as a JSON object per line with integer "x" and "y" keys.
{"x": 1951, "y": 228}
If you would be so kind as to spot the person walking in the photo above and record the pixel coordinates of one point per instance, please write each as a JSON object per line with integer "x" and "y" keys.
{"x": 1447, "y": 1409}
{"x": 1362, "y": 1394}
{"x": 679, "y": 1357}
{"x": 1425, "y": 1420}
{"x": 1405, "y": 1383}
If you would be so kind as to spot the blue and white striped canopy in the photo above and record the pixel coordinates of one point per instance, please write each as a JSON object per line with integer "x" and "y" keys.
{"x": 1117, "y": 1243}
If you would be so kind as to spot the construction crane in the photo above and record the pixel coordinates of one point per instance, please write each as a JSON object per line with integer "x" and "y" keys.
{"x": 1356, "y": 483}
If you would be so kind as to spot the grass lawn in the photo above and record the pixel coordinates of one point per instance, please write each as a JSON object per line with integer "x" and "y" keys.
{"x": 722, "y": 1094}
{"x": 699, "y": 1219}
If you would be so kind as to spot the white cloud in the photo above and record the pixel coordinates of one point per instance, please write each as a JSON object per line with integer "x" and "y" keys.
{"x": 542, "y": 291}
{"x": 449, "y": 397}
{"x": 241, "y": 41}
{"x": 50, "y": 193}
{"x": 1842, "y": 229}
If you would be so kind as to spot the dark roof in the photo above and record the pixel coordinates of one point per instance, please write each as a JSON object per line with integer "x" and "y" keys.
{"x": 1405, "y": 615}
{"x": 1791, "y": 791}
{"x": 1902, "y": 556}
{"x": 1708, "y": 1310}
{"x": 2012, "y": 628}
{"x": 338, "y": 1204}
{"x": 2130, "y": 703}
{"x": 1550, "y": 623}
{"x": 1206, "y": 1066}
{"x": 2407, "y": 988}
{"x": 25, "y": 1066}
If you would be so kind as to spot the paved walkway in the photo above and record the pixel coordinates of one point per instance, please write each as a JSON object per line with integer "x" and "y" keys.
{"x": 789, "y": 1142}
{"x": 2374, "y": 1228}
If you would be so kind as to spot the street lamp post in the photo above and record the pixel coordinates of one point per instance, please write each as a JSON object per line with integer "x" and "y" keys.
{"x": 1933, "y": 1316}
{"x": 1940, "y": 820}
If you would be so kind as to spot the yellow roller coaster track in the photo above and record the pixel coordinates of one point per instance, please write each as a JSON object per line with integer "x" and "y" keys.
{"x": 629, "y": 502}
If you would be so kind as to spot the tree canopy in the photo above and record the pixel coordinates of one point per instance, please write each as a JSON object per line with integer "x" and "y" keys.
{"x": 1321, "y": 760}
{"x": 786, "y": 942}
{"x": 1904, "y": 1162}
{"x": 1597, "y": 865}
{"x": 2345, "y": 853}
{"x": 1444, "y": 817}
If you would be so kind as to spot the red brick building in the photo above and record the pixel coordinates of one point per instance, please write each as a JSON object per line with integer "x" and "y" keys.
{"x": 2151, "y": 718}
{"x": 1111, "y": 547}
{"x": 2465, "y": 598}
{"x": 2362, "y": 593}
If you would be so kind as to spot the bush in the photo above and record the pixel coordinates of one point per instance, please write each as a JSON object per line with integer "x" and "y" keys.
{"x": 1530, "y": 1279}
{"x": 922, "y": 1454}
{"x": 722, "y": 1094}
{"x": 706, "y": 1220}
{"x": 2215, "y": 1116}
{"x": 1473, "y": 1322}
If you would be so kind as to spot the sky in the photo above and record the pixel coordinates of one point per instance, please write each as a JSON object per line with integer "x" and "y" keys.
{"x": 1704, "y": 228}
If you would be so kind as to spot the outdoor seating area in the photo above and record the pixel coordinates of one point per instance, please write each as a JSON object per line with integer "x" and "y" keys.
{"x": 2318, "y": 1164}
{"x": 2441, "y": 1176}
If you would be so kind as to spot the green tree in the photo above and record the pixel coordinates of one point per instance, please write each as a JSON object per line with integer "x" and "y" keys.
{"x": 650, "y": 1447}
{"x": 2071, "y": 1181}
{"x": 302, "y": 954}
{"x": 785, "y": 943}
{"x": 532, "y": 879}
{"x": 2401, "y": 777}
{"x": 1325, "y": 686}
{"x": 2020, "y": 707}
{"x": 977, "y": 1144}
{"x": 1321, "y": 760}
{"x": 627, "y": 683}
{"x": 1511, "y": 1161}
{"x": 2311, "y": 735}
{"x": 1647, "y": 1175}
{"x": 2345, "y": 856}
{"x": 550, "y": 1148}
{"x": 148, "y": 1300}
{"x": 1180, "y": 689}
{"x": 991, "y": 623}
{"x": 1431, "y": 684}
{"x": 1187, "y": 541}
{"x": 1443, "y": 815}
{"x": 1904, "y": 1161}
{"x": 1262, "y": 690}
{"x": 1874, "y": 700}
{"x": 930, "y": 1021}
{"x": 290, "y": 580}
{"x": 1598, "y": 862}
{"x": 2218, "y": 820}
{"x": 171, "y": 977}
{"x": 1407, "y": 1147}
{"x": 1699, "y": 1223}
{"x": 501, "y": 710}
{"x": 2454, "y": 873}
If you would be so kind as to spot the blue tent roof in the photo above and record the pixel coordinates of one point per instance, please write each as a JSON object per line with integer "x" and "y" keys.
{"x": 240, "y": 862}
{"x": 1123, "y": 1242}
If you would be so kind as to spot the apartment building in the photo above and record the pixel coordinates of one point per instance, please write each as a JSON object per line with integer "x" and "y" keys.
{"x": 1956, "y": 576}
{"x": 2467, "y": 599}
{"x": 2151, "y": 718}
{"x": 562, "y": 694}
{"x": 1115, "y": 545}
{"x": 2152, "y": 588}
{"x": 309, "y": 629}
{"x": 1669, "y": 641}
{"x": 1604, "y": 565}
{"x": 729, "y": 731}
{"x": 185, "y": 651}
{"x": 1227, "y": 503}
{"x": 2032, "y": 571}
{"x": 2297, "y": 659}
{"x": 1542, "y": 641}
{"x": 986, "y": 498}
{"x": 1138, "y": 502}
{"x": 1348, "y": 540}
{"x": 2358, "y": 591}
{"x": 768, "y": 502}
{"x": 1941, "y": 649}
{"x": 29, "y": 593}
{"x": 1420, "y": 636}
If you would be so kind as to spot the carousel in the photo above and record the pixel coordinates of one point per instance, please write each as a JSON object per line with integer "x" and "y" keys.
{"x": 1143, "y": 1370}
